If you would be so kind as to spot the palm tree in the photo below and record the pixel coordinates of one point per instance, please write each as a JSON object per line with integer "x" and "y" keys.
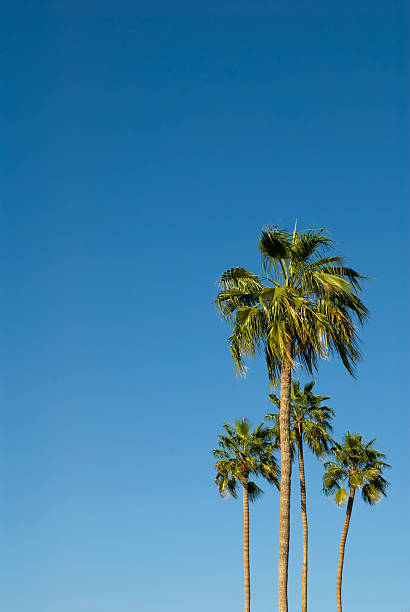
{"x": 309, "y": 423}
{"x": 243, "y": 453}
{"x": 361, "y": 466}
{"x": 299, "y": 310}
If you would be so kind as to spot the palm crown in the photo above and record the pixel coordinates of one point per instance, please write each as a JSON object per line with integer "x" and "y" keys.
{"x": 242, "y": 453}
{"x": 309, "y": 419}
{"x": 360, "y": 466}
{"x": 300, "y": 307}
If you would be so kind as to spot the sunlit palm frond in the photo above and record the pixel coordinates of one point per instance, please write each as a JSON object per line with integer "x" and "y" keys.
{"x": 305, "y": 246}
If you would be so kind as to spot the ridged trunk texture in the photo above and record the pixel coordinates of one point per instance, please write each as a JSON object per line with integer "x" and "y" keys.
{"x": 246, "y": 571}
{"x": 304, "y": 521}
{"x": 286, "y": 465}
{"x": 342, "y": 551}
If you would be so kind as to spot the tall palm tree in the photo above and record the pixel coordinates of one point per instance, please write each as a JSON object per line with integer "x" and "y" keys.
{"x": 361, "y": 467}
{"x": 243, "y": 453}
{"x": 298, "y": 310}
{"x": 309, "y": 423}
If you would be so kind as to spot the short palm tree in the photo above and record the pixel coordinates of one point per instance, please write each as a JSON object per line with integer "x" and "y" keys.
{"x": 299, "y": 309}
{"x": 241, "y": 454}
{"x": 361, "y": 467}
{"x": 310, "y": 424}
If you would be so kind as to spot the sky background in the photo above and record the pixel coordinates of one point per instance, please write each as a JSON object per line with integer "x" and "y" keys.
{"x": 145, "y": 146}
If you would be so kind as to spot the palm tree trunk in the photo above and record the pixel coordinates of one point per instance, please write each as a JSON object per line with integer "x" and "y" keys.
{"x": 286, "y": 465}
{"x": 342, "y": 551}
{"x": 304, "y": 521}
{"x": 246, "y": 571}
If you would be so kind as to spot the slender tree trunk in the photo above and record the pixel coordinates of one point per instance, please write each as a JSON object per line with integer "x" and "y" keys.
{"x": 342, "y": 551}
{"x": 304, "y": 521}
{"x": 286, "y": 465}
{"x": 246, "y": 572}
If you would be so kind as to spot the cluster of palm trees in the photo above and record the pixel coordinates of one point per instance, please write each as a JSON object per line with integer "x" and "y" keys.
{"x": 301, "y": 308}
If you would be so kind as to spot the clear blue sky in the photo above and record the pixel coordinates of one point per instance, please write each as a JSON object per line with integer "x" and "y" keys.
{"x": 146, "y": 144}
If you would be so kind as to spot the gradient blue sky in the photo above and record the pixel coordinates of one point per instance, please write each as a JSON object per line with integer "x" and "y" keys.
{"x": 146, "y": 144}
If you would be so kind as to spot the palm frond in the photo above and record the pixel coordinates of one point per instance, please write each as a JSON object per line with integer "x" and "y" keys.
{"x": 308, "y": 244}
{"x": 341, "y": 496}
{"x": 275, "y": 248}
{"x": 254, "y": 492}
